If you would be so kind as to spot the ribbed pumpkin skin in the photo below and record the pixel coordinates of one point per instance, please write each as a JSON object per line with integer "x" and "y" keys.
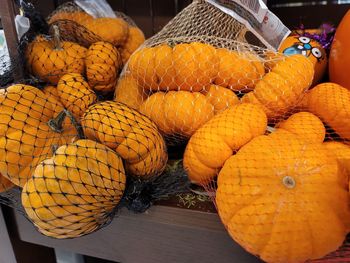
{"x": 134, "y": 40}
{"x": 220, "y": 138}
{"x": 74, "y": 192}
{"x": 303, "y": 221}
{"x": 221, "y": 98}
{"x": 238, "y": 71}
{"x": 132, "y": 135}
{"x": 331, "y": 103}
{"x": 342, "y": 152}
{"x": 75, "y": 94}
{"x": 188, "y": 67}
{"x": 25, "y": 136}
{"x": 112, "y": 30}
{"x": 306, "y": 125}
{"x": 50, "y": 64}
{"x": 103, "y": 62}
{"x": 178, "y": 113}
{"x": 79, "y": 17}
{"x": 129, "y": 92}
{"x": 282, "y": 88}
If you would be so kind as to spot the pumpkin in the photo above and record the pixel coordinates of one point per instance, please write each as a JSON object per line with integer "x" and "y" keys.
{"x": 178, "y": 113}
{"x": 5, "y": 184}
{"x": 51, "y": 91}
{"x": 309, "y": 48}
{"x": 103, "y": 62}
{"x": 77, "y": 16}
{"x": 185, "y": 66}
{"x": 284, "y": 200}
{"x": 331, "y": 103}
{"x": 221, "y": 98}
{"x": 342, "y": 152}
{"x": 50, "y": 59}
{"x": 339, "y": 57}
{"x": 283, "y": 87}
{"x": 132, "y": 135}
{"x": 112, "y": 30}
{"x": 75, "y": 94}
{"x": 129, "y": 92}
{"x": 218, "y": 139}
{"x": 74, "y": 192}
{"x": 29, "y": 130}
{"x": 306, "y": 125}
{"x": 238, "y": 71}
{"x": 134, "y": 40}
{"x": 69, "y": 132}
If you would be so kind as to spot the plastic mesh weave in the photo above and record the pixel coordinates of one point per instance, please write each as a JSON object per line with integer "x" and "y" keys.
{"x": 198, "y": 65}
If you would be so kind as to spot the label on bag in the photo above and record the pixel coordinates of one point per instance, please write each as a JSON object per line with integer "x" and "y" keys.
{"x": 256, "y": 7}
{"x": 270, "y": 30}
{"x": 96, "y": 8}
{"x": 4, "y": 54}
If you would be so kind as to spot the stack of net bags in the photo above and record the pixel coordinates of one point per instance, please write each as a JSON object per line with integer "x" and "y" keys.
{"x": 71, "y": 151}
{"x": 271, "y": 147}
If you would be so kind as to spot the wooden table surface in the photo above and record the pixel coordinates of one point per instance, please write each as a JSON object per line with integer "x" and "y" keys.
{"x": 162, "y": 234}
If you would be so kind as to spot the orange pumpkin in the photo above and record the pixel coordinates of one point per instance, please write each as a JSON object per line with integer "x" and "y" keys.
{"x": 284, "y": 200}
{"x": 309, "y": 48}
{"x": 74, "y": 192}
{"x": 75, "y": 94}
{"x": 339, "y": 57}
{"x": 178, "y": 113}
{"x": 112, "y": 30}
{"x": 220, "y": 138}
{"x": 134, "y": 40}
{"x": 238, "y": 71}
{"x": 132, "y": 135}
{"x": 306, "y": 125}
{"x": 282, "y": 88}
{"x": 29, "y": 130}
{"x": 50, "y": 59}
{"x": 342, "y": 152}
{"x": 77, "y": 16}
{"x": 331, "y": 103}
{"x": 221, "y": 98}
{"x": 103, "y": 63}
{"x": 190, "y": 67}
{"x": 129, "y": 92}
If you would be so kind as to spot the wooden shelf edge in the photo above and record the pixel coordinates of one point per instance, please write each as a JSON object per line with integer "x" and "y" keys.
{"x": 162, "y": 234}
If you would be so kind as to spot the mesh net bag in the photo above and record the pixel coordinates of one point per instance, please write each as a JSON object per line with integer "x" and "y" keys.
{"x": 69, "y": 169}
{"x": 77, "y": 42}
{"x": 198, "y": 65}
{"x": 70, "y": 159}
{"x": 281, "y": 189}
{"x": 76, "y": 25}
{"x": 271, "y": 149}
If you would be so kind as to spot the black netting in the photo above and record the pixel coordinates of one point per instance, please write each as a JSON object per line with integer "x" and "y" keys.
{"x": 75, "y": 192}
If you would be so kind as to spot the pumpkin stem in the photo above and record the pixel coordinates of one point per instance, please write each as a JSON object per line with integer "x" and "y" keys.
{"x": 76, "y": 125}
{"x": 56, "y": 123}
{"x": 56, "y": 37}
{"x": 289, "y": 182}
